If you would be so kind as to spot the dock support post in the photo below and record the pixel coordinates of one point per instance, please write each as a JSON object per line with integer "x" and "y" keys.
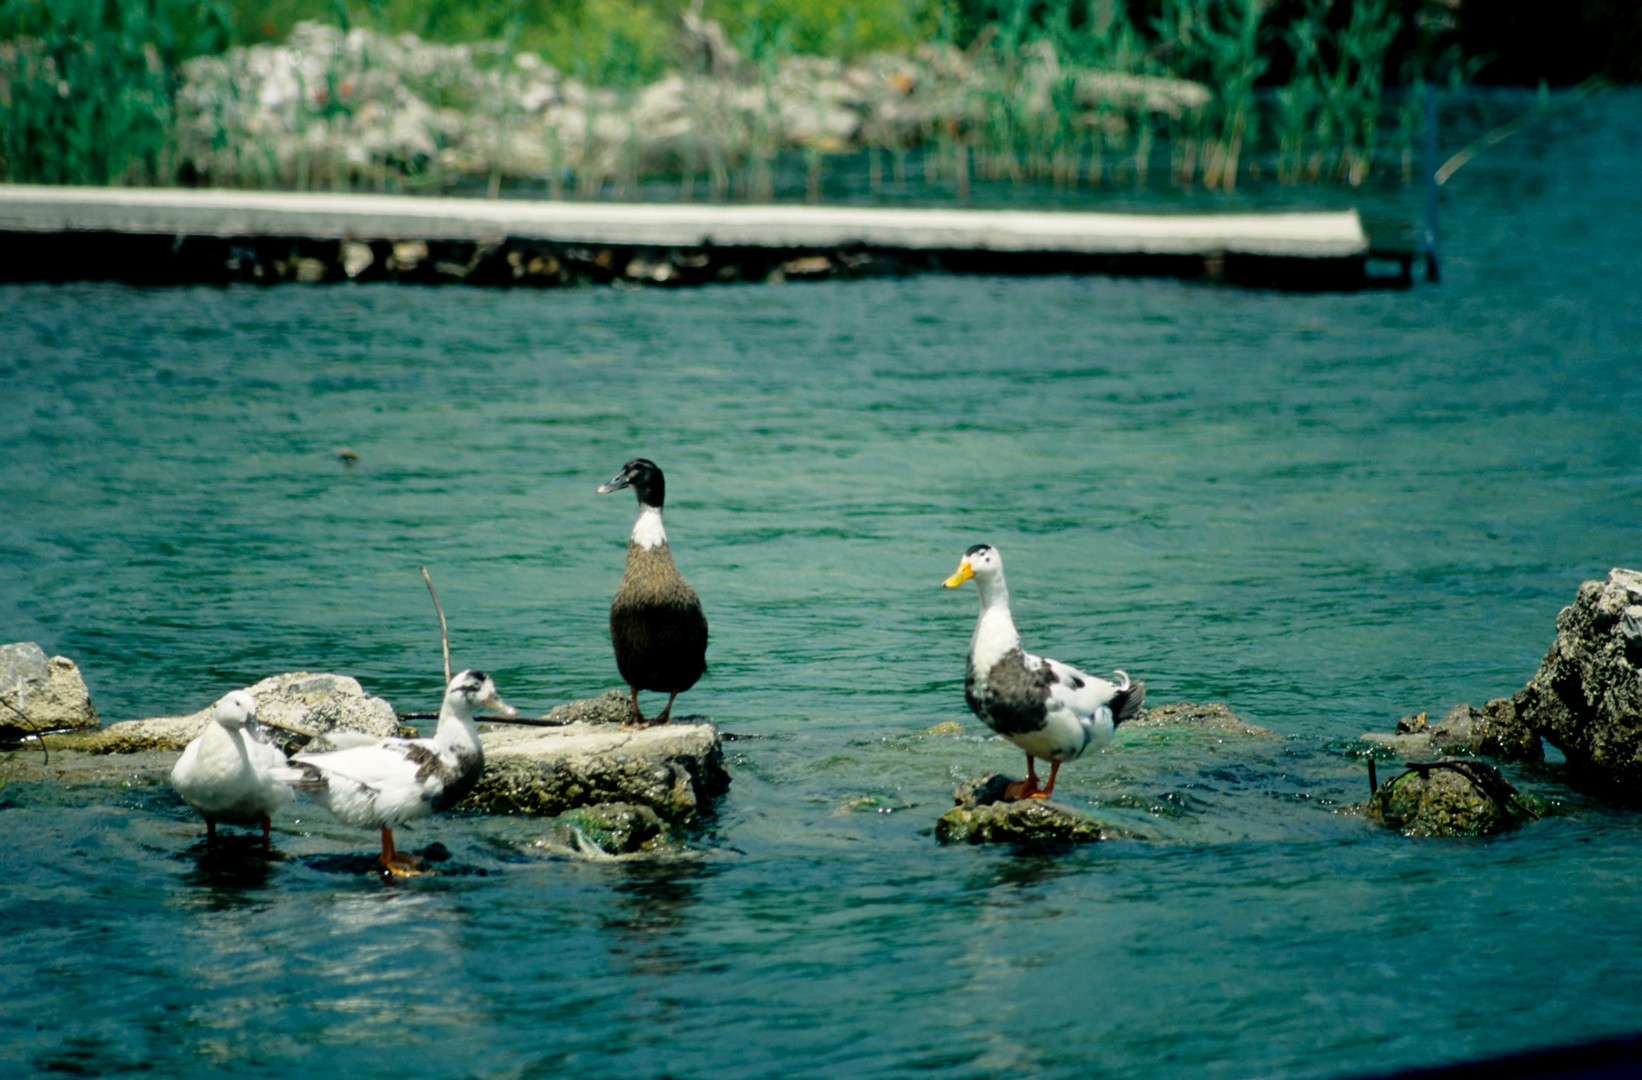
{"x": 1428, "y": 243}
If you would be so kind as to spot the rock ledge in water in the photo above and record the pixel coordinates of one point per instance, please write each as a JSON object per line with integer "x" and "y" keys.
{"x": 1450, "y": 798}
{"x": 310, "y": 704}
{"x": 981, "y": 818}
{"x": 1586, "y": 697}
{"x": 1496, "y": 730}
{"x": 41, "y": 694}
{"x": 676, "y": 769}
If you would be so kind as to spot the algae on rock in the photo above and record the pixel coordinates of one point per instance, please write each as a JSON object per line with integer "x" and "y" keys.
{"x": 1450, "y": 798}
{"x": 980, "y": 817}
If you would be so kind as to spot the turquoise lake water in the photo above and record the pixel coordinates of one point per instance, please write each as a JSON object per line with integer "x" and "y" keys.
{"x": 1326, "y": 511}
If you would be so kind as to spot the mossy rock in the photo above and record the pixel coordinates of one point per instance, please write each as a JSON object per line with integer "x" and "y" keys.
{"x": 981, "y": 817}
{"x": 613, "y": 828}
{"x": 1451, "y": 798}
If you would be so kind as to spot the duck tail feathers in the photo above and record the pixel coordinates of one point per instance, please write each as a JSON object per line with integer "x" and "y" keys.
{"x": 300, "y": 775}
{"x": 1126, "y": 705}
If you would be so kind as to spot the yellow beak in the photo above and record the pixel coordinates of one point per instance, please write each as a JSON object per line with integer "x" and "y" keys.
{"x": 963, "y": 574}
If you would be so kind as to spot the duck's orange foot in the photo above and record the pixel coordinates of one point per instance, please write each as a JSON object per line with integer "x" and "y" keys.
{"x": 401, "y": 865}
{"x": 1021, "y": 789}
{"x": 1038, "y": 795}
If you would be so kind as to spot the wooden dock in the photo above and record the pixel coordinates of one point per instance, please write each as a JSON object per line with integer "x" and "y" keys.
{"x": 145, "y": 234}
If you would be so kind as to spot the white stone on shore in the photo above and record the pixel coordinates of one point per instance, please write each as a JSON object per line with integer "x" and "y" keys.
{"x": 41, "y": 694}
{"x": 289, "y": 706}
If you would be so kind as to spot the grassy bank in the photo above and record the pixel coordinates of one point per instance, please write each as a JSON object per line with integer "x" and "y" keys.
{"x": 1034, "y": 90}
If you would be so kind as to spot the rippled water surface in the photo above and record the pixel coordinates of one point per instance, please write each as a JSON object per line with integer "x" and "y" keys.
{"x": 1327, "y": 511}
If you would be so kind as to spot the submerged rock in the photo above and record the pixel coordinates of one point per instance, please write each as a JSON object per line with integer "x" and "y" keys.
{"x": 1450, "y": 798}
{"x": 1208, "y": 716}
{"x": 980, "y": 817}
{"x": 293, "y": 709}
{"x": 1586, "y": 697}
{"x": 675, "y": 769}
{"x": 41, "y": 694}
{"x": 610, "y": 829}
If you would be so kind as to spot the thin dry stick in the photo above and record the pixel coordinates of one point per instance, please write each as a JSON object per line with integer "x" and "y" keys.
{"x": 38, "y": 736}
{"x": 444, "y": 634}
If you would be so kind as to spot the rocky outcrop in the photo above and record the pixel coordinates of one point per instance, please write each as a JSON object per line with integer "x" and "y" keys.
{"x": 294, "y": 709}
{"x": 1496, "y": 730}
{"x": 1586, "y": 697}
{"x": 676, "y": 770}
{"x": 331, "y": 106}
{"x": 981, "y": 817}
{"x": 1450, "y": 798}
{"x": 41, "y": 694}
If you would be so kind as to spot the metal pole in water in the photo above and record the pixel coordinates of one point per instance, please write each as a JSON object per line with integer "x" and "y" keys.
{"x": 1429, "y": 242}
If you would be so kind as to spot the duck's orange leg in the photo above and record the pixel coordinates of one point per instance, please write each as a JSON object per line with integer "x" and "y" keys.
{"x": 1054, "y": 768}
{"x": 667, "y": 713}
{"x": 395, "y": 863}
{"x": 267, "y": 833}
{"x": 1023, "y": 789}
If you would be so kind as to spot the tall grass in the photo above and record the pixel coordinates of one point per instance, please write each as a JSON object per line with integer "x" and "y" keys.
{"x": 87, "y": 86}
{"x": 1072, "y": 93}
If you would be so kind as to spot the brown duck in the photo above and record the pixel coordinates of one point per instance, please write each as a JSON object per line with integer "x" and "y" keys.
{"x": 656, "y": 624}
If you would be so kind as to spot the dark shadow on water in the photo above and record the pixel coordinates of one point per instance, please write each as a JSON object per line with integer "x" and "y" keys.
{"x": 1022, "y": 868}
{"x": 654, "y": 902}
{"x": 232, "y": 866}
{"x": 436, "y": 863}
{"x": 655, "y": 896}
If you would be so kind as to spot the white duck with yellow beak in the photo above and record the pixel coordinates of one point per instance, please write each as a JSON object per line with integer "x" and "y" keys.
{"x": 1051, "y": 710}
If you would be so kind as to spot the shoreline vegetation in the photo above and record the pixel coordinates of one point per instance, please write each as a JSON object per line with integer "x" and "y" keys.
{"x": 722, "y": 101}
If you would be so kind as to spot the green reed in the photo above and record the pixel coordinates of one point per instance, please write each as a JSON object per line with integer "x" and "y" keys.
{"x": 87, "y": 87}
{"x": 88, "y": 91}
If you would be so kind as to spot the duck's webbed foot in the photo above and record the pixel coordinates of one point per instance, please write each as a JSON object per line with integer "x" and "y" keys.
{"x": 395, "y": 862}
{"x": 636, "y": 718}
{"x": 1024, "y": 789}
{"x": 667, "y": 713}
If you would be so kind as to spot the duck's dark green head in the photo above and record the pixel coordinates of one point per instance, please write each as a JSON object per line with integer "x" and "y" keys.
{"x": 644, "y": 477}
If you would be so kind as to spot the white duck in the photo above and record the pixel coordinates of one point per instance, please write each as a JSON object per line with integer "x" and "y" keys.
{"x": 230, "y": 773}
{"x": 1049, "y": 709}
{"x": 386, "y": 782}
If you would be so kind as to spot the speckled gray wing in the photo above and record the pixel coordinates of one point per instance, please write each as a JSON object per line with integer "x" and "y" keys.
{"x": 455, "y": 782}
{"x": 656, "y": 624}
{"x": 1015, "y": 698}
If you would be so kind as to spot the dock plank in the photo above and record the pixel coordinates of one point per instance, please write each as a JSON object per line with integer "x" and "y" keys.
{"x": 233, "y": 213}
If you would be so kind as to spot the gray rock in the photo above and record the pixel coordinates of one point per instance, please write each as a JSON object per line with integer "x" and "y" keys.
{"x": 1450, "y": 798}
{"x": 1210, "y": 716}
{"x": 294, "y": 709}
{"x": 676, "y": 769}
{"x": 1586, "y": 697}
{"x": 981, "y": 818}
{"x": 40, "y": 694}
{"x": 1494, "y": 731}
{"x": 610, "y": 707}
